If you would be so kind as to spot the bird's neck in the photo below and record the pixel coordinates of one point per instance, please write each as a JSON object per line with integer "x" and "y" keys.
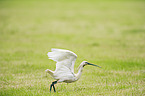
{"x": 78, "y": 75}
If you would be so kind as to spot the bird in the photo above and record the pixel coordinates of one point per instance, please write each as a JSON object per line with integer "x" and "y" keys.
{"x": 64, "y": 71}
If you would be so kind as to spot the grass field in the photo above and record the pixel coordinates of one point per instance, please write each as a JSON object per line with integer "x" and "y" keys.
{"x": 108, "y": 33}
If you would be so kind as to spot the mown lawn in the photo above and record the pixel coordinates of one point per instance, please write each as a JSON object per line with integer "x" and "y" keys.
{"x": 108, "y": 33}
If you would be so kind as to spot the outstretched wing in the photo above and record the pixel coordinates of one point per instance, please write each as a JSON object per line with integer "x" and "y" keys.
{"x": 65, "y": 59}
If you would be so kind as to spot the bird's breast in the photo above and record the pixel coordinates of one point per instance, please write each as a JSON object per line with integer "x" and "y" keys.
{"x": 69, "y": 81}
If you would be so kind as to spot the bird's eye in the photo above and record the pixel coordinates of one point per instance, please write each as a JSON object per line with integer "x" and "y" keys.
{"x": 86, "y": 62}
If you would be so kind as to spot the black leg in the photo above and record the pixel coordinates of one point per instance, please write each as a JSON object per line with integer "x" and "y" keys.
{"x": 52, "y": 85}
{"x": 54, "y": 88}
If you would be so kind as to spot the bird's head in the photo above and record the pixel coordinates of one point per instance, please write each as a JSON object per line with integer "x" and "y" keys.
{"x": 84, "y": 63}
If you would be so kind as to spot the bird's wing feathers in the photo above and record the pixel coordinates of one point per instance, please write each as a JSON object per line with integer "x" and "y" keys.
{"x": 65, "y": 59}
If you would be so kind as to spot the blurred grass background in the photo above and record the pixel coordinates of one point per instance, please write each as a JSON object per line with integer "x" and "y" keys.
{"x": 108, "y": 33}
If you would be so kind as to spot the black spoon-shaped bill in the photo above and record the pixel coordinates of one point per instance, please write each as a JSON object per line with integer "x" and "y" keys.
{"x": 93, "y": 65}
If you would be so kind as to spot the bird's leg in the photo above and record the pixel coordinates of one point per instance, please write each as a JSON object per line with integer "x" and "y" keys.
{"x": 52, "y": 85}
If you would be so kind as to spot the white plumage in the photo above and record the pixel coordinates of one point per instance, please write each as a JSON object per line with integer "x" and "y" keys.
{"x": 64, "y": 71}
{"x": 63, "y": 58}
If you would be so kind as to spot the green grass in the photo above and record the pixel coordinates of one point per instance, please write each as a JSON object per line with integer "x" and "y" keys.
{"x": 108, "y": 33}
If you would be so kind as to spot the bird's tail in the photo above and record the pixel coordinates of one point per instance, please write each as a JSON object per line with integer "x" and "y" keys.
{"x": 50, "y": 72}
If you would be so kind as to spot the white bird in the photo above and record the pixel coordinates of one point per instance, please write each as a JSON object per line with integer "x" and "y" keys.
{"x": 64, "y": 71}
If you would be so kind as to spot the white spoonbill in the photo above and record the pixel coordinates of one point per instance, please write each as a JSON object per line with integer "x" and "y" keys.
{"x": 64, "y": 71}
